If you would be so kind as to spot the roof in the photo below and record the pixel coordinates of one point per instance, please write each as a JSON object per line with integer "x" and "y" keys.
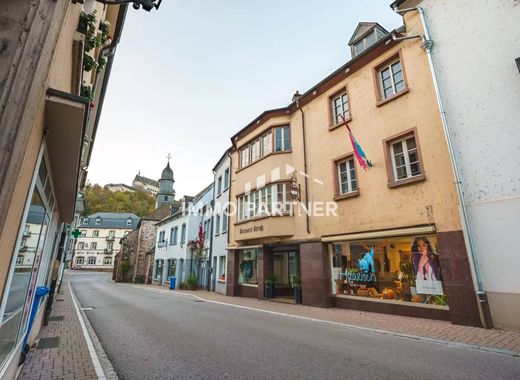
{"x": 110, "y": 220}
{"x": 203, "y": 191}
{"x": 146, "y": 180}
{"x": 167, "y": 172}
{"x": 159, "y": 213}
{"x": 120, "y": 185}
{"x": 221, "y": 159}
{"x": 362, "y": 29}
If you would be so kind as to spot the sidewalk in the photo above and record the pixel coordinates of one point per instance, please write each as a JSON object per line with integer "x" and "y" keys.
{"x": 70, "y": 358}
{"x": 507, "y": 342}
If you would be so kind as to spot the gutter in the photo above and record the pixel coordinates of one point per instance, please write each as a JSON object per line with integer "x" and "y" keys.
{"x": 427, "y": 46}
{"x": 306, "y": 179}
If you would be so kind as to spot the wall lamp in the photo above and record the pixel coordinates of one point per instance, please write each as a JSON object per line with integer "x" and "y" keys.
{"x": 147, "y": 5}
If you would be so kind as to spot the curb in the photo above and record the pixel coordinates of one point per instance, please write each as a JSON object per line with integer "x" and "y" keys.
{"x": 107, "y": 369}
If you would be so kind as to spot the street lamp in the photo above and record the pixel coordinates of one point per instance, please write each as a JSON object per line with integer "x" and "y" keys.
{"x": 147, "y": 5}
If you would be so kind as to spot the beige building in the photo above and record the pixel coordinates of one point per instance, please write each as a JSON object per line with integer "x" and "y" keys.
{"x": 385, "y": 239}
{"x": 54, "y": 75}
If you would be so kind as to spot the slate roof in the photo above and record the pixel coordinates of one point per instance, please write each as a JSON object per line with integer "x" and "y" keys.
{"x": 110, "y": 220}
{"x": 146, "y": 180}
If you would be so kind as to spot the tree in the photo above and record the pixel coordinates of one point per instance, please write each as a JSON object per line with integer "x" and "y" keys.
{"x": 101, "y": 199}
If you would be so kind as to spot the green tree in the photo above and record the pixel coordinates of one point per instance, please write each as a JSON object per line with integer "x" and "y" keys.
{"x": 100, "y": 199}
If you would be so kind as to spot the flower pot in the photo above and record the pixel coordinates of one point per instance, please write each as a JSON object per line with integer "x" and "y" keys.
{"x": 269, "y": 290}
{"x": 298, "y": 295}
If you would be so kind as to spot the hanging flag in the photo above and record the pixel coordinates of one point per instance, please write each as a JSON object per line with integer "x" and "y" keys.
{"x": 358, "y": 151}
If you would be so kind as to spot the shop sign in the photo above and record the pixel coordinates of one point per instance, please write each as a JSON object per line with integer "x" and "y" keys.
{"x": 354, "y": 275}
{"x": 429, "y": 287}
{"x": 248, "y": 230}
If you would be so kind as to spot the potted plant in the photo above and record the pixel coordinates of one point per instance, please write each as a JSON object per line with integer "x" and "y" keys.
{"x": 270, "y": 282}
{"x": 297, "y": 284}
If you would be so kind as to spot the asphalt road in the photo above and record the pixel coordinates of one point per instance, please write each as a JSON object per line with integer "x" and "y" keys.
{"x": 152, "y": 335}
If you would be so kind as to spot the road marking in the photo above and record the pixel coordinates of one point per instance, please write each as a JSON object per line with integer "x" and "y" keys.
{"x": 347, "y": 325}
{"x": 93, "y": 355}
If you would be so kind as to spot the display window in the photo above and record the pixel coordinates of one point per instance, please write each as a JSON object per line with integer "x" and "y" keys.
{"x": 401, "y": 269}
{"x": 248, "y": 267}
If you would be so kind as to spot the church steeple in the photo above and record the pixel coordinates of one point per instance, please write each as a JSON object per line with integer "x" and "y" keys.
{"x": 166, "y": 193}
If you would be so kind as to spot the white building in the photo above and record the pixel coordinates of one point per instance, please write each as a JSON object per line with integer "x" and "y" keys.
{"x": 100, "y": 239}
{"x": 172, "y": 254}
{"x": 219, "y": 242}
{"x": 476, "y": 56}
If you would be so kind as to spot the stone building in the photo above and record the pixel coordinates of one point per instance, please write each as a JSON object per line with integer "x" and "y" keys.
{"x": 145, "y": 184}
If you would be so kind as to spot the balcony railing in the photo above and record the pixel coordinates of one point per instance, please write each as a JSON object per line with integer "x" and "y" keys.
{"x": 107, "y": 251}
{"x": 162, "y": 244}
{"x": 26, "y": 233}
{"x": 110, "y": 238}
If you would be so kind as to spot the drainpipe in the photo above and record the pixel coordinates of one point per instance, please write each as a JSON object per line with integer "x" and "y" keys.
{"x": 483, "y": 305}
{"x": 306, "y": 179}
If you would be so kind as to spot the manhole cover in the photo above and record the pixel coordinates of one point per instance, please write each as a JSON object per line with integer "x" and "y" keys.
{"x": 56, "y": 318}
{"x": 48, "y": 342}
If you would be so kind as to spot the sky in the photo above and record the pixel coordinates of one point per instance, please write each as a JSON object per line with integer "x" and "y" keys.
{"x": 188, "y": 76}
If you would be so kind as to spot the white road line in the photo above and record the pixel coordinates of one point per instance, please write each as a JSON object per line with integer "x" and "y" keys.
{"x": 347, "y": 325}
{"x": 93, "y": 355}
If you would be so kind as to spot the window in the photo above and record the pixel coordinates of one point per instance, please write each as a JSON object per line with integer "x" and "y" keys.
{"x": 258, "y": 148}
{"x": 222, "y": 268}
{"x": 269, "y": 200}
{"x": 403, "y": 159}
{"x": 404, "y": 269}
{"x": 183, "y": 233}
{"x": 244, "y": 156}
{"x": 93, "y": 245}
{"x": 172, "y": 232}
{"x": 340, "y": 107}
{"x": 224, "y": 221}
{"x": 248, "y": 267}
{"x": 391, "y": 79}
{"x": 172, "y": 267}
{"x": 158, "y": 269}
{"x": 98, "y": 221}
{"x": 81, "y": 245}
{"x": 83, "y": 233}
{"x": 86, "y": 246}
{"x": 95, "y": 233}
{"x": 219, "y": 185}
{"x": 217, "y": 225}
{"x": 107, "y": 261}
{"x": 80, "y": 260}
{"x": 346, "y": 176}
{"x": 110, "y": 246}
{"x": 85, "y": 220}
{"x": 282, "y": 139}
{"x": 226, "y": 179}
{"x": 205, "y": 228}
{"x": 161, "y": 236}
{"x": 19, "y": 260}
{"x": 129, "y": 222}
{"x": 111, "y": 233}
{"x": 267, "y": 143}
{"x": 255, "y": 150}
{"x": 365, "y": 43}
{"x": 173, "y": 238}
{"x": 91, "y": 261}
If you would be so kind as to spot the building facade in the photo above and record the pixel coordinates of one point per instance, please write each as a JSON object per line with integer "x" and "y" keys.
{"x": 385, "y": 238}
{"x": 174, "y": 253}
{"x": 53, "y": 87}
{"x": 100, "y": 238}
{"x": 119, "y": 187}
{"x": 219, "y": 241}
{"x": 146, "y": 184}
{"x": 483, "y": 127}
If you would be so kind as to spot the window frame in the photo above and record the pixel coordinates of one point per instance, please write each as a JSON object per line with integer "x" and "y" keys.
{"x": 389, "y": 159}
{"x": 246, "y": 159}
{"x": 336, "y": 175}
{"x": 225, "y": 180}
{"x": 332, "y": 116}
{"x": 378, "y": 84}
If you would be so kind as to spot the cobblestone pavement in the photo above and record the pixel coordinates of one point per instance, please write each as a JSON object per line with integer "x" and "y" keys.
{"x": 71, "y": 359}
{"x": 508, "y": 341}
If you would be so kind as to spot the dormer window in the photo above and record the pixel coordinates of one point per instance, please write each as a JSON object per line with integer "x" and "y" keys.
{"x": 366, "y": 35}
{"x": 85, "y": 220}
{"x": 98, "y": 221}
{"x": 129, "y": 222}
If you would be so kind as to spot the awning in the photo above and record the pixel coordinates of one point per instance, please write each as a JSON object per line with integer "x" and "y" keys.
{"x": 419, "y": 230}
{"x": 244, "y": 247}
{"x": 65, "y": 120}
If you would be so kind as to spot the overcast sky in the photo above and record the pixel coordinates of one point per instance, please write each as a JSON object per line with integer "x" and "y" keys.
{"x": 190, "y": 75}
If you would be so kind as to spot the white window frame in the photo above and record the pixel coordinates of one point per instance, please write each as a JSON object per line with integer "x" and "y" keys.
{"x": 90, "y": 258}
{"x": 392, "y": 78}
{"x": 226, "y": 179}
{"x": 345, "y": 112}
{"x": 406, "y": 154}
{"x": 219, "y": 185}
{"x": 217, "y": 225}
{"x": 286, "y": 129}
{"x": 80, "y": 258}
{"x": 349, "y": 170}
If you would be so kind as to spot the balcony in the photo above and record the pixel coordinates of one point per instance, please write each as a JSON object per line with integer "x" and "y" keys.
{"x": 26, "y": 234}
{"x": 107, "y": 251}
{"x": 110, "y": 238}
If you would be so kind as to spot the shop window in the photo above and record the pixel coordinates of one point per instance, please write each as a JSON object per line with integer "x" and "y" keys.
{"x": 271, "y": 200}
{"x": 403, "y": 159}
{"x": 403, "y": 269}
{"x": 158, "y": 269}
{"x": 80, "y": 260}
{"x": 107, "y": 261}
{"x": 91, "y": 261}
{"x": 222, "y": 268}
{"x": 172, "y": 268}
{"x": 248, "y": 267}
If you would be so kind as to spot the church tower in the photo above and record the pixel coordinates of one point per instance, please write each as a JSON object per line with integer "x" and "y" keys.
{"x": 166, "y": 193}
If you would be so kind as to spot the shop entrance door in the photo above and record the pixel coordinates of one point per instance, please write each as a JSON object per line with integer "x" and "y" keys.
{"x": 286, "y": 265}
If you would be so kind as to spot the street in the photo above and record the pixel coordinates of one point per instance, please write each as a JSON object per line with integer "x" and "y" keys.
{"x": 149, "y": 334}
